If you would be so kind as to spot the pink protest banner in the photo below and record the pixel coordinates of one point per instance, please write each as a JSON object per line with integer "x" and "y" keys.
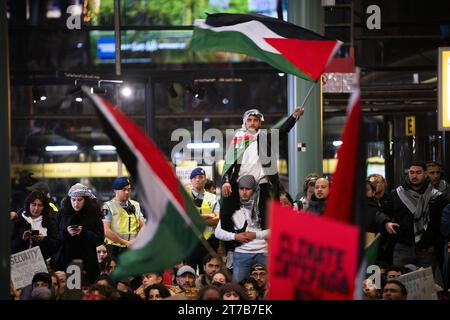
{"x": 310, "y": 257}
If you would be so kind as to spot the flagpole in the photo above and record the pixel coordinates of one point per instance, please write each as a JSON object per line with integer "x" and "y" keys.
{"x": 208, "y": 248}
{"x": 308, "y": 94}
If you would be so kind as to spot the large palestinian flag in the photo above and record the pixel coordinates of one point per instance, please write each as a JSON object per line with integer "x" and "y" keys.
{"x": 283, "y": 45}
{"x": 168, "y": 235}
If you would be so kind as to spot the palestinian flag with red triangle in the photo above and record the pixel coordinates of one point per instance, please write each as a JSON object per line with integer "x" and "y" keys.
{"x": 168, "y": 235}
{"x": 346, "y": 200}
{"x": 283, "y": 45}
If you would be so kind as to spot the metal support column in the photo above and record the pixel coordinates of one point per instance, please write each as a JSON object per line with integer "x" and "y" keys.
{"x": 305, "y": 140}
{"x": 5, "y": 140}
{"x": 117, "y": 42}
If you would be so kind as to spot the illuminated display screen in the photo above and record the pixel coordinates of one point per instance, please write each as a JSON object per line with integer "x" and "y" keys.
{"x": 155, "y": 46}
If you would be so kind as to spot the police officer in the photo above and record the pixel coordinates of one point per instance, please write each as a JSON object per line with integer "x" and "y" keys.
{"x": 208, "y": 207}
{"x": 122, "y": 218}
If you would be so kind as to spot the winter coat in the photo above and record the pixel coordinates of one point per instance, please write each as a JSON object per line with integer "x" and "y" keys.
{"x": 394, "y": 210}
{"x": 48, "y": 246}
{"x": 82, "y": 246}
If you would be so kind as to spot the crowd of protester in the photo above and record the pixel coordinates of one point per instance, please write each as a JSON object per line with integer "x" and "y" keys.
{"x": 412, "y": 220}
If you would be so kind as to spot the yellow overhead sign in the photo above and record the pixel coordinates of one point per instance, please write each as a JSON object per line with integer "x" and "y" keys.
{"x": 410, "y": 126}
{"x": 444, "y": 89}
{"x": 71, "y": 169}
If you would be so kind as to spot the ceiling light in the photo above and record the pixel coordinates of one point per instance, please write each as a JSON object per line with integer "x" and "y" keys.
{"x": 104, "y": 147}
{"x": 126, "y": 91}
{"x": 61, "y": 148}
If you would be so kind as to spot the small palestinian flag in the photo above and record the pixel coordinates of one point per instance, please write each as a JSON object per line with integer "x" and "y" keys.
{"x": 283, "y": 45}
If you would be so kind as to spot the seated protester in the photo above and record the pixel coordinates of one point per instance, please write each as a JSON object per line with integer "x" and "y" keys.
{"x": 219, "y": 279}
{"x": 40, "y": 280}
{"x": 393, "y": 272}
{"x": 55, "y": 286}
{"x": 156, "y": 291}
{"x": 232, "y": 291}
{"x": 185, "y": 288}
{"x": 251, "y": 289}
{"x": 110, "y": 265}
{"x": 211, "y": 265}
{"x": 370, "y": 290}
{"x": 148, "y": 279}
{"x": 249, "y": 237}
{"x": 41, "y": 293}
{"x": 318, "y": 199}
{"x": 102, "y": 253}
{"x": 394, "y": 290}
{"x": 175, "y": 270}
{"x": 123, "y": 286}
{"x": 34, "y": 227}
{"x": 62, "y": 277}
{"x": 209, "y": 292}
{"x": 259, "y": 273}
{"x": 99, "y": 292}
{"x": 104, "y": 280}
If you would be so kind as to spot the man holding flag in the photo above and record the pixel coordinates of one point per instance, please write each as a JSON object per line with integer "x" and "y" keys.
{"x": 249, "y": 155}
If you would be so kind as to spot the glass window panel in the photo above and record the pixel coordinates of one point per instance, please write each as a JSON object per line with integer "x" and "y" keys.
{"x": 174, "y": 12}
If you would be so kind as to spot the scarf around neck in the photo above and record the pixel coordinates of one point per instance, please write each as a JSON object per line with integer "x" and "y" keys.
{"x": 252, "y": 205}
{"x": 36, "y": 224}
{"x": 417, "y": 203}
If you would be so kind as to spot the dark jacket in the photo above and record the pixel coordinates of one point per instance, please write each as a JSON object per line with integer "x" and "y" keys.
{"x": 445, "y": 223}
{"x": 445, "y": 231}
{"x": 316, "y": 206}
{"x": 394, "y": 210}
{"x": 82, "y": 246}
{"x": 372, "y": 207}
{"x": 48, "y": 246}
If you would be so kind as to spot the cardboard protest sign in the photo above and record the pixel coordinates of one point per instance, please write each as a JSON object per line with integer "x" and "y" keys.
{"x": 310, "y": 257}
{"x": 24, "y": 265}
{"x": 419, "y": 284}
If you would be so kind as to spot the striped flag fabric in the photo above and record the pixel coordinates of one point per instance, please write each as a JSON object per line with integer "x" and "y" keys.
{"x": 283, "y": 45}
{"x": 168, "y": 235}
{"x": 347, "y": 192}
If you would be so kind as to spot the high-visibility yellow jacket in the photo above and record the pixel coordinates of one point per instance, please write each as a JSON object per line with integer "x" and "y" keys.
{"x": 208, "y": 205}
{"x": 124, "y": 223}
